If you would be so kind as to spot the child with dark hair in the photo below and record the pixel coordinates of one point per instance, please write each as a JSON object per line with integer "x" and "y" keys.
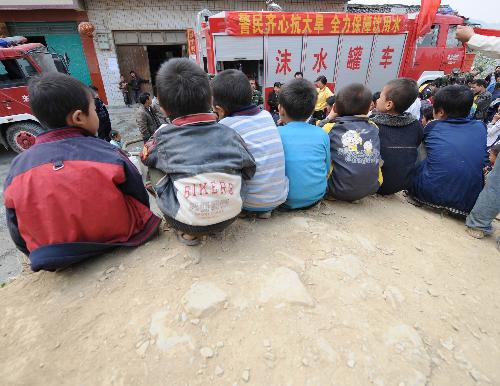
{"x": 272, "y": 101}
{"x": 354, "y": 146}
{"x": 72, "y": 196}
{"x": 492, "y": 158}
{"x": 482, "y": 99}
{"x": 103, "y": 115}
{"x": 198, "y": 164}
{"x": 400, "y": 134}
{"x": 451, "y": 177}
{"x": 307, "y": 148}
{"x": 232, "y": 100}
{"x": 116, "y": 139}
{"x": 327, "y": 123}
{"x": 427, "y": 115}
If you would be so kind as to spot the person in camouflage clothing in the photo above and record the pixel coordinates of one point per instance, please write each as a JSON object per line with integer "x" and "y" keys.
{"x": 257, "y": 98}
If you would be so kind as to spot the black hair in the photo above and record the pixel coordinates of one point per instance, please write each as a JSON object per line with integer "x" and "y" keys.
{"x": 183, "y": 88}
{"x": 495, "y": 149}
{"x": 353, "y": 99}
{"x": 480, "y": 82}
{"x": 298, "y": 73}
{"x": 277, "y": 84}
{"x": 322, "y": 79}
{"x": 456, "y": 101}
{"x": 132, "y": 72}
{"x": 298, "y": 98}
{"x": 113, "y": 134}
{"x": 330, "y": 101}
{"x": 55, "y": 95}
{"x": 402, "y": 92}
{"x": 144, "y": 97}
{"x": 94, "y": 88}
{"x": 428, "y": 113}
{"x": 376, "y": 96}
{"x": 231, "y": 90}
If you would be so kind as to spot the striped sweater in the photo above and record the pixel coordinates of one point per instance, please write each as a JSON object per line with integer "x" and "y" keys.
{"x": 269, "y": 186}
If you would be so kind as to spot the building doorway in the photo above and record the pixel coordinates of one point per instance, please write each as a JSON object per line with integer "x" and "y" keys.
{"x": 157, "y": 55}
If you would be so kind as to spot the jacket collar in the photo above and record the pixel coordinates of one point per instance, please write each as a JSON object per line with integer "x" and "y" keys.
{"x": 247, "y": 111}
{"x": 59, "y": 134}
{"x": 194, "y": 119}
{"x": 351, "y": 118}
{"x": 393, "y": 120}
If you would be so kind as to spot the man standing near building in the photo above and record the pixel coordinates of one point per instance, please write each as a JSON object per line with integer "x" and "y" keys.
{"x": 257, "y": 98}
{"x": 147, "y": 118}
{"x": 135, "y": 84}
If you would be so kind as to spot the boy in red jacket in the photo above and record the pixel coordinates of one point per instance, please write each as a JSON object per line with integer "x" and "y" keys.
{"x": 71, "y": 195}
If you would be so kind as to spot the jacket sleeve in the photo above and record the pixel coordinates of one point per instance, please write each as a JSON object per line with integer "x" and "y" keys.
{"x": 149, "y": 154}
{"x": 142, "y": 124}
{"x": 488, "y": 45}
{"x": 328, "y": 161}
{"x": 133, "y": 185}
{"x": 14, "y": 231}
{"x": 247, "y": 161}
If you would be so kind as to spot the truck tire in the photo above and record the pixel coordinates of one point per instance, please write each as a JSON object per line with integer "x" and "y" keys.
{"x": 21, "y": 136}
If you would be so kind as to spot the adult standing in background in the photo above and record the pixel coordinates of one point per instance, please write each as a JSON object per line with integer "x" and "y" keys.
{"x": 123, "y": 86}
{"x": 323, "y": 94}
{"x": 147, "y": 118}
{"x": 135, "y": 84}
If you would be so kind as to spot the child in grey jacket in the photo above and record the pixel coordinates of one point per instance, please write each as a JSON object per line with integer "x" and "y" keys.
{"x": 354, "y": 146}
{"x": 203, "y": 163}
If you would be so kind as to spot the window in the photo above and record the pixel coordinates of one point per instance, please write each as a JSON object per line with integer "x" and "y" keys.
{"x": 27, "y": 68}
{"x": 11, "y": 74}
{"x": 430, "y": 38}
{"x": 451, "y": 40}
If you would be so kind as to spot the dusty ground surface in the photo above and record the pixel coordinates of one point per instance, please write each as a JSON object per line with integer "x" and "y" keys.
{"x": 379, "y": 292}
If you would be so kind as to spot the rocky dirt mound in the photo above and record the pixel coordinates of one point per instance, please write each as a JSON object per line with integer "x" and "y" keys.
{"x": 378, "y": 293}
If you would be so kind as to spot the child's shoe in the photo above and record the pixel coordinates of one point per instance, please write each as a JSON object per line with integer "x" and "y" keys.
{"x": 476, "y": 233}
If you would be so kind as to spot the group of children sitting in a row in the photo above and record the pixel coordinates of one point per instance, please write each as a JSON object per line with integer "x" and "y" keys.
{"x": 72, "y": 195}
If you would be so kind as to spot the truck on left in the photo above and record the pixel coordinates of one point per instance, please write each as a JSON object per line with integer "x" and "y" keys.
{"x": 19, "y": 61}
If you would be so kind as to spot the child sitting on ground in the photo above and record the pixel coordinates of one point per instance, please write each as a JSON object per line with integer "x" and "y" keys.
{"x": 72, "y": 195}
{"x": 326, "y": 123}
{"x": 400, "y": 134}
{"x": 197, "y": 164}
{"x": 493, "y": 154}
{"x": 451, "y": 177}
{"x": 354, "y": 146}
{"x": 116, "y": 138}
{"x": 233, "y": 104}
{"x": 307, "y": 148}
{"x": 427, "y": 115}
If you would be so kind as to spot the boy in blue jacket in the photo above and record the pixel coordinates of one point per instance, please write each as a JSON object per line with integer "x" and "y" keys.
{"x": 71, "y": 195}
{"x": 307, "y": 147}
{"x": 451, "y": 177}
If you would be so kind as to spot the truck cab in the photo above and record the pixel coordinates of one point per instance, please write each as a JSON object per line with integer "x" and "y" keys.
{"x": 438, "y": 52}
{"x": 18, "y": 63}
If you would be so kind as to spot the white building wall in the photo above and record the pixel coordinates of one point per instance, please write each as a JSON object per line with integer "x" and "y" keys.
{"x": 115, "y": 15}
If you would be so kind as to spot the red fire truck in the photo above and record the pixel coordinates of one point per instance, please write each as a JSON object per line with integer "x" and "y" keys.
{"x": 18, "y": 62}
{"x": 346, "y": 48}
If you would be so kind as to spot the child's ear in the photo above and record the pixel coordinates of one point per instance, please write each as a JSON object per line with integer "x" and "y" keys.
{"x": 439, "y": 114}
{"x": 389, "y": 105}
{"x": 164, "y": 111}
{"x": 281, "y": 111}
{"x": 75, "y": 118}
{"x": 334, "y": 108}
{"x": 221, "y": 113}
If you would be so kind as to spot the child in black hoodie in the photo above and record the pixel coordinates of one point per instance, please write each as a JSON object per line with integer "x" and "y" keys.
{"x": 400, "y": 134}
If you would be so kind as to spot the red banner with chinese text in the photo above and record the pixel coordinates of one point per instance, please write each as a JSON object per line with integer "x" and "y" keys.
{"x": 309, "y": 23}
{"x": 191, "y": 40}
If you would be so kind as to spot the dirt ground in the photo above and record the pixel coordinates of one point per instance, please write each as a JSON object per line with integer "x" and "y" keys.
{"x": 375, "y": 293}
